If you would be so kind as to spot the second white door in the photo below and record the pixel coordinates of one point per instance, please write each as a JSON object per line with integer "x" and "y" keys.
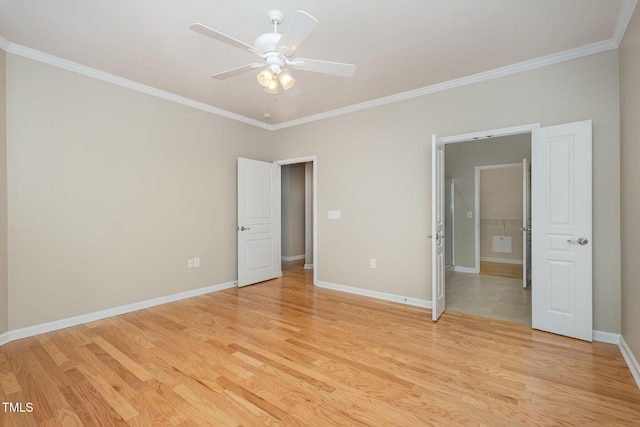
{"x": 561, "y": 289}
{"x": 258, "y": 221}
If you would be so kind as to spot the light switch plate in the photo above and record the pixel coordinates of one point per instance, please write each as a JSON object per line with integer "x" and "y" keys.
{"x": 334, "y": 215}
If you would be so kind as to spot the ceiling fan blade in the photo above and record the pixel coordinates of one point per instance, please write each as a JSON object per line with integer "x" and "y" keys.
{"x": 326, "y": 67}
{"x": 236, "y": 71}
{"x": 301, "y": 25}
{"x": 210, "y": 32}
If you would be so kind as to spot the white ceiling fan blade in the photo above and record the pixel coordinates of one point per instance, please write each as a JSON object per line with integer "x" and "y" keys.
{"x": 217, "y": 35}
{"x": 326, "y": 67}
{"x": 236, "y": 71}
{"x": 301, "y": 25}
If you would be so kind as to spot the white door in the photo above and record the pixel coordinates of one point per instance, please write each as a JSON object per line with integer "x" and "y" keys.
{"x": 437, "y": 228}
{"x": 561, "y": 223}
{"x": 258, "y": 221}
{"x": 526, "y": 223}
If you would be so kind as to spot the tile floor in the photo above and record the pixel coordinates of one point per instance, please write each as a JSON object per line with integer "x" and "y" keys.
{"x": 496, "y": 297}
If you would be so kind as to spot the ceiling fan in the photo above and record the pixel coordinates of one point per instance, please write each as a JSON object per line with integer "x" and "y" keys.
{"x": 276, "y": 51}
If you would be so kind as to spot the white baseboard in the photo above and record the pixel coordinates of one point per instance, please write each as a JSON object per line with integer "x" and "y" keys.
{"x": 627, "y": 354}
{"x": 607, "y": 337}
{"x": 502, "y": 260}
{"x": 308, "y": 266}
{"x": 460, "y": 269}
{"x": 375, "y": 294}
{"x": 631, "y": 360}
{"x": 292, "y": 258}
{"x": 103, "y": 314}
{"x": 4, "y": 338}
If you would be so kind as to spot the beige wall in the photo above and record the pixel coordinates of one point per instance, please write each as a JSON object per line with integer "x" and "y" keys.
{"x": 501, "y": 193}
{"x": 501, "y": 211}
{"x": 110, "y": 191}
{"x": 375, "y": 166}
{"x": 460, "y": 162}
{"x": 3, "y": 198}
{"x": 113, "y": 190}
{"x": 293, "y": 210}
{"x": 630, "y": 179}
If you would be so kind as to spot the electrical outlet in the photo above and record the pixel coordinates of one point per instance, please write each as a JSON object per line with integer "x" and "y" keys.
{"x": 196, "y": 261}
{"x": 190, "y": 263}
{"x": 372, "y": 263}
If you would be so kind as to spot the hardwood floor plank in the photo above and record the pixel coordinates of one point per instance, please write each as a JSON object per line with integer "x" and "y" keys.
{"x": 127, "y": 363}
{"x": 109, "y": 393}
{"x": 9, "y": 384}
{"x": 284, "y": 352}
{"x": 67, "y": 418}
{"x": 501, "y": 269}
{"x": 88, "y": 404}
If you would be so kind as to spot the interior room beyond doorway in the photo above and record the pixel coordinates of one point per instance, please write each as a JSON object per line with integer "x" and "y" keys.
{"x": 485, "y": 277}
{"x": 297, "y": 213}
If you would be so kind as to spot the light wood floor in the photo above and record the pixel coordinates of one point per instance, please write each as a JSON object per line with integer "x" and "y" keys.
{"x": 286, "y": 353}
{"x": 501, "y": 269}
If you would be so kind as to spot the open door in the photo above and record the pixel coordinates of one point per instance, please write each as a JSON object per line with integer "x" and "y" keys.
{"x": 258, "y": 221}
{"x": 437, "y": 228}
{"x": 561, "y": 221}
{"x": 526, "y": 223}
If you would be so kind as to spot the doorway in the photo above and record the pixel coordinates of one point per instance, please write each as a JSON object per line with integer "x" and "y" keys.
{"x": 299, "y": 212}
{"x": 502, "y": 217}
{"x": 488, "y": 234}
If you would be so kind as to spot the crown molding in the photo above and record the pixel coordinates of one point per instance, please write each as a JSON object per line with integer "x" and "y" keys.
{"x": 4, "y": 44}
{"x": 120, "y": 81}
{"x": 624, "y": 17}
{"x": 532, "y": 64}
{"x": 626, "y": 11}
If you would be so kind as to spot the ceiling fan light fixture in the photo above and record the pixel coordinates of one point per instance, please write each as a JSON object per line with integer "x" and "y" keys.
{"x": 277, "y": 50}
{"x": 286, "y": 79}
{"x": 272, "y": 87}
{"x": 265, "y": 77}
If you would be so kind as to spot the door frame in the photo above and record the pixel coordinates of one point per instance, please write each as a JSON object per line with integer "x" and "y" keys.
{"x": 476, "y": 208}
{"x": 473, "y": 136}
{"x": 314, "y": 204}
{"x": 479, "y": 136}
{"x": 451, "y": 208}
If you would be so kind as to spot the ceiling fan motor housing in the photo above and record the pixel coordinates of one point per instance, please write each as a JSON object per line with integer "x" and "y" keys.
{"x": 267, "y": 42}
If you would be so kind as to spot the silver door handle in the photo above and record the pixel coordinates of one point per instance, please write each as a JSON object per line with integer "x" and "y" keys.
{"x": 438, "y": 236}
{"x": 525, "y": 228}
{"x": 243, "y": 228}
{"x": 581, "y": 241}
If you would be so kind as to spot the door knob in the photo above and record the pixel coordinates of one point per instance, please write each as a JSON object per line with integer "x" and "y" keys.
{"x": 581, "y": 241}
{"x": 243, "y": 228}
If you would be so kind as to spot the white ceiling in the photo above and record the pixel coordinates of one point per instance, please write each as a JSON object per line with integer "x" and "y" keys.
{"x": 398, "y": 46}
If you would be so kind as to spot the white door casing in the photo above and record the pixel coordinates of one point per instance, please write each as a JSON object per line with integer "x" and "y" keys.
{"x": 437, "y": 228}
{"x": 562, "y": 295}
{"x": 258, "y": 221}
{"x": 526, "y": 222}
